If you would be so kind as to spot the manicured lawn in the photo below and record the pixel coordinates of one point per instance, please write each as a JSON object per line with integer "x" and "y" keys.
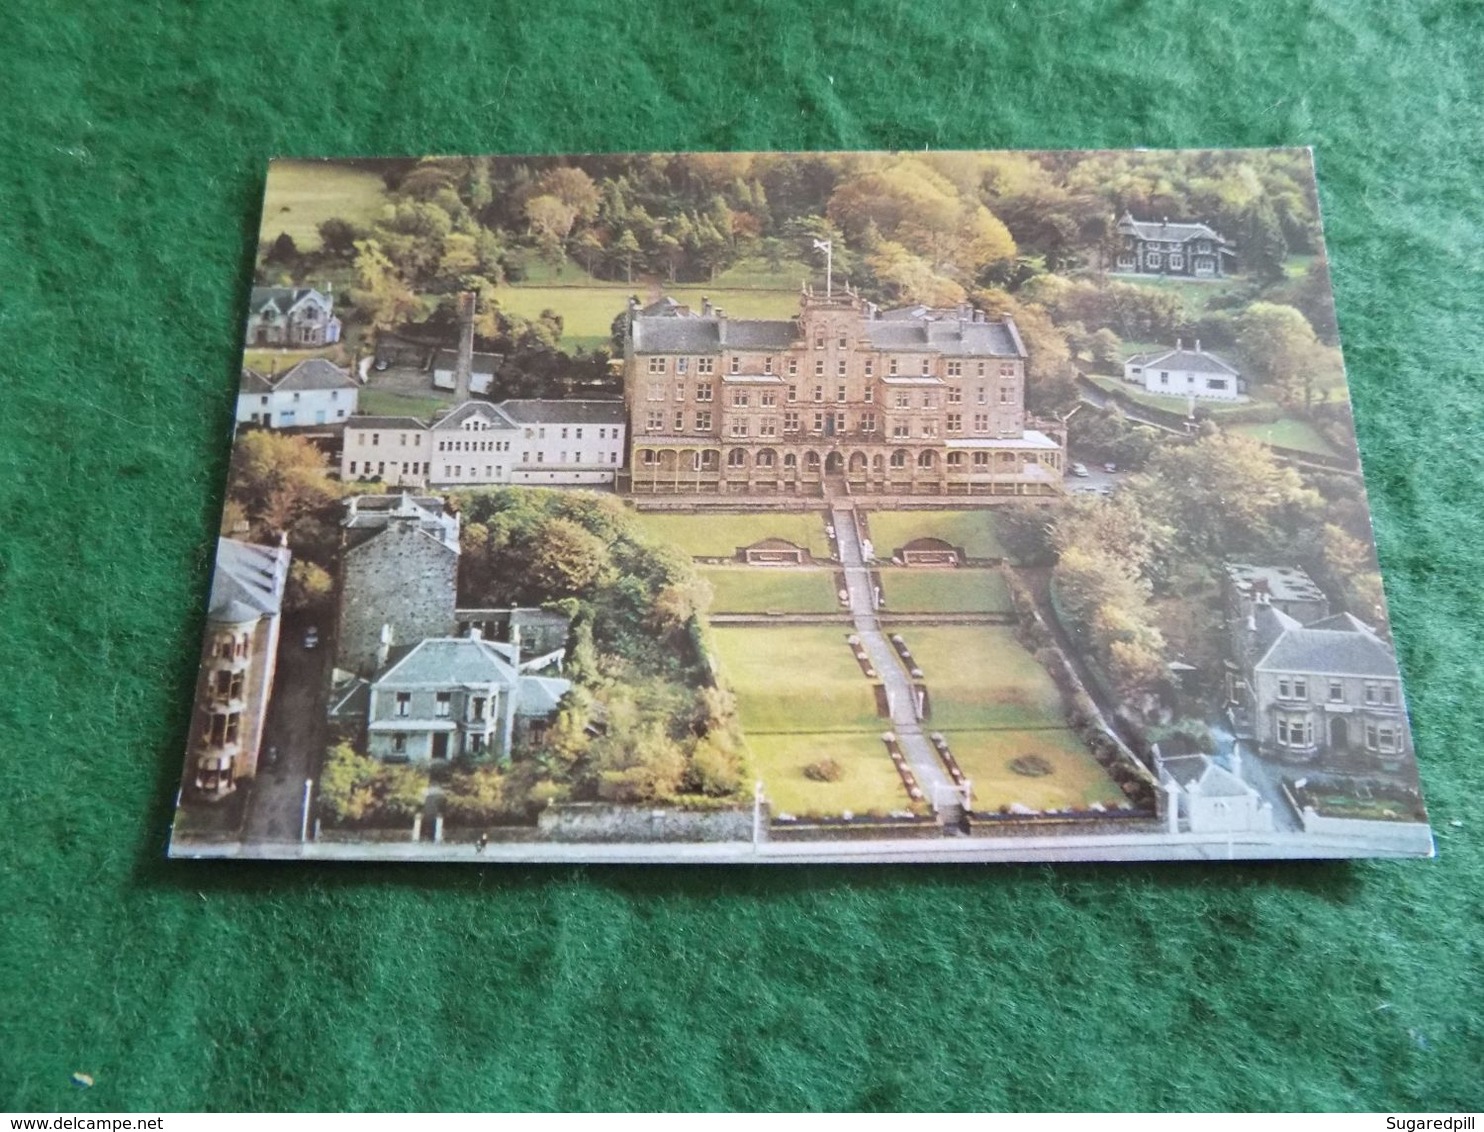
{"x": 268, "y": 361}
{"x": 972, "y": 530}
{"x": 588, "y": 311}
{"x": 719, "y": 536}
{"x": 923, "y": 590}
{"x": 301, "y": 194}
{"x": 755, "y": 273}
{"x": 796, "y": 678}
{"x": 1075, "y": 782}
{"x": 383, "y": 403}
{"x": 1141, "y": 396}
{"x": 1288, "y": 433}
{"x": 869, "y": 784}
{"x": 980, "y": 677}
{"x": 765, "y": 589}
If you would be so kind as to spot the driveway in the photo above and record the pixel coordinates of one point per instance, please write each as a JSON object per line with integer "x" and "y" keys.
{"x": 296, "y": 726}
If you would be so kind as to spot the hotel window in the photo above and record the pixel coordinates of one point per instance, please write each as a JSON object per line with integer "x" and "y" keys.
{"x": 870, "y": 395}
{"x": 840, "y": 393}
{"x": 680, "y": 391}
{"x": 819, "y": 368}
{"x": 819, "y": 341}
{"x": 1007, "y": 395}
{"x": 768, "y": 426}
{"x": 983, "y": 368}
{"x": 981, "y": 422}
{"x": 703, "y": 421}
{"x": 955, "y": 369}
{"x": 929, "y": 428}
{"x": 927, "y": 367}
{"x": 869, "y": 366}
{"x": 736, "y": 364}
{"x": 681, "y": 364}
{"x": 955, "y": 422}
{"x": 955, "y": 395}
{"x": 844, "y": 341}
{"x": 656, "y": 392}
{"x": 818, "y": 393}
{"x": 793, "y": 367}
{"x": 444, "y": 705}
{"x": 840, "y": 368}
{"x": 981, "y": 395}
{"x": 793, "y": 394}
{"x": 679, "y": 420}
{"x": 899, "y": 459}
{"x": 705, "y": 365}
{"x": 1007, "y": 369}
{"x": 929, "y": 399}
{"x": 791, "y": 422}
{"x": 1336, "y": 692}
{"x": 656, "y": 365}
{"x": 767, "y": 365}
{"x": 981, "y": 459}
{"x": 904, "y": 400}
{"x": 703, "y": 391}
{"x": 955, "y": 459}
{"x": 868, "y": 422}
{"x": 839, "y": 422}
{"x": 891, "y": 367}
{"x": 768, "y": 398}
{"x": 739, "y": 428}
{"x": 655, "y": 421}
{"x": 818, "y": 422}
{"x": 736, "y": 458}
{"x": 740, "y": 398}
{"x": 901, "y": 429}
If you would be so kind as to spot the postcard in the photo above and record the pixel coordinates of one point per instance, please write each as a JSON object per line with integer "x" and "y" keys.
{"x": 796, "y": 507}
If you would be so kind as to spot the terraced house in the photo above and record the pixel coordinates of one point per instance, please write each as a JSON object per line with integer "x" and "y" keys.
{"x": 843, "y": 397}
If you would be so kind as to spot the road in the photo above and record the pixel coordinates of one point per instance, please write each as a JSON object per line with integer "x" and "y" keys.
{"x": 900, "y": 692}
{"x": 296, "y": 726}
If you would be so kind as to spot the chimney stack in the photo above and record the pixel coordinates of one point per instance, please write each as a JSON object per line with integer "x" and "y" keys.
{"x": 465, "y": 364}
{"x": 705, "y": 307}
{"x": 1177, "y": 344}
{"x": 1197, "y": 345}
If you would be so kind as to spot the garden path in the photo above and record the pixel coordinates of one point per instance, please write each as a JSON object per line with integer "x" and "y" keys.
{"x": 904, "y": 719}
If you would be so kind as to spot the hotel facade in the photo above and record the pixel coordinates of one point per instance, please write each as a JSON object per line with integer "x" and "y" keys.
{"x": 843, "y": 398}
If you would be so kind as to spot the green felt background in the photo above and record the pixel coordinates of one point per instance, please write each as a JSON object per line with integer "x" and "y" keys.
{"x": 133, "y": 143}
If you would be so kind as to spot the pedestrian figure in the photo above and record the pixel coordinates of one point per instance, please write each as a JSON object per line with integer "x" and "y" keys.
{"x": 484, "y": 839}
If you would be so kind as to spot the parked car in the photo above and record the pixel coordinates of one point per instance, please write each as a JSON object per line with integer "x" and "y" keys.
{"x": 1110, "y": 468}
{"x": 1079, "y": 470}
{"x": 311, "y": 637}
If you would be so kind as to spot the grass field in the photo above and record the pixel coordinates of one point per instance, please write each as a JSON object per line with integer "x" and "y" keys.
{"x": 588, "y": 310}
{"x": 921, "y": 590}
{"x": 1287, "y": 433}
{"x": 268, "y": 361}
{"x": 301, "y": 194}
{"x": 384, "y": 403}
{"x": 796, "y": 678}
{"x": 1075, "y": 782}
{"x": 719, "y": 536}
{"x": 869, "y": 784}
{"x": 972, "y": 530}
{"x": 1170, "y": 404}
{"x": 760, "y": 589}
{"x": 981, "y": 678}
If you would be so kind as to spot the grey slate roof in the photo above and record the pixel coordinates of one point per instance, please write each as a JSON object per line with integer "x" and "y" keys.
{"x": 248, "y": 581}
{"x": 315, "y": 373}
{"x": 470, "y": 410}
{"x": 1196, "y": 361}
{"x": 540, "y": 695}
{"x": 1330, "y": 652}
{"x": 668, "y": 334}
{"x": 284, "y": 299}
{"x": 1284, "y": 583}
{"x": 1198, "y": 774}
{"x": 953, "y": 336}
{"x": 255, "y": 382}
{"x": 479, "y": 363}
{"x": 448, "y": 661}
{"x": 384, "y": 422}
{"x": 1160, "y": 230}
{"x": 540, "y": 411}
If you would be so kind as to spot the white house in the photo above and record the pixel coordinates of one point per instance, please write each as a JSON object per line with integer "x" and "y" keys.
{"x": 392, "y": 449}
{"x": 1206, "y": 797}
{"x": 1185, "y": 372}
{"x": 314, "y": 392}
{"x": 555, "y": 443}
{"x": 292, "y": 316}
{"x": 482, "y": 370}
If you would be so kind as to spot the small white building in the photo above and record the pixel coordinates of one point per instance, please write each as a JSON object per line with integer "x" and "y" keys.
{"x": 391, "y": 449}
{"x": 313, "y": 392}
{"x": 477, "y": 444}
{"x": 482, "y": 370}
{"x": 1183, "y": 372}
{"x": 1206, "y": 797}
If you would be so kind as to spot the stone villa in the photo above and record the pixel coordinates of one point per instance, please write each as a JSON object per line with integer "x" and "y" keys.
{"x": 292, "y": 316}
{"x": 930, "y": 403}
{"x": 1150, "y": 247}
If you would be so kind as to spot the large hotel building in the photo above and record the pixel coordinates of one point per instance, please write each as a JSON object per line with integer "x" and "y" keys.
{"x": 842, "y": 398}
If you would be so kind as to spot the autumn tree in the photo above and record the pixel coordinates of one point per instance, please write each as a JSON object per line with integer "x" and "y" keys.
{"x": 1283, "y": 350}
{"x": 381, "y": 294}
{"x": 278, "y": 479}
